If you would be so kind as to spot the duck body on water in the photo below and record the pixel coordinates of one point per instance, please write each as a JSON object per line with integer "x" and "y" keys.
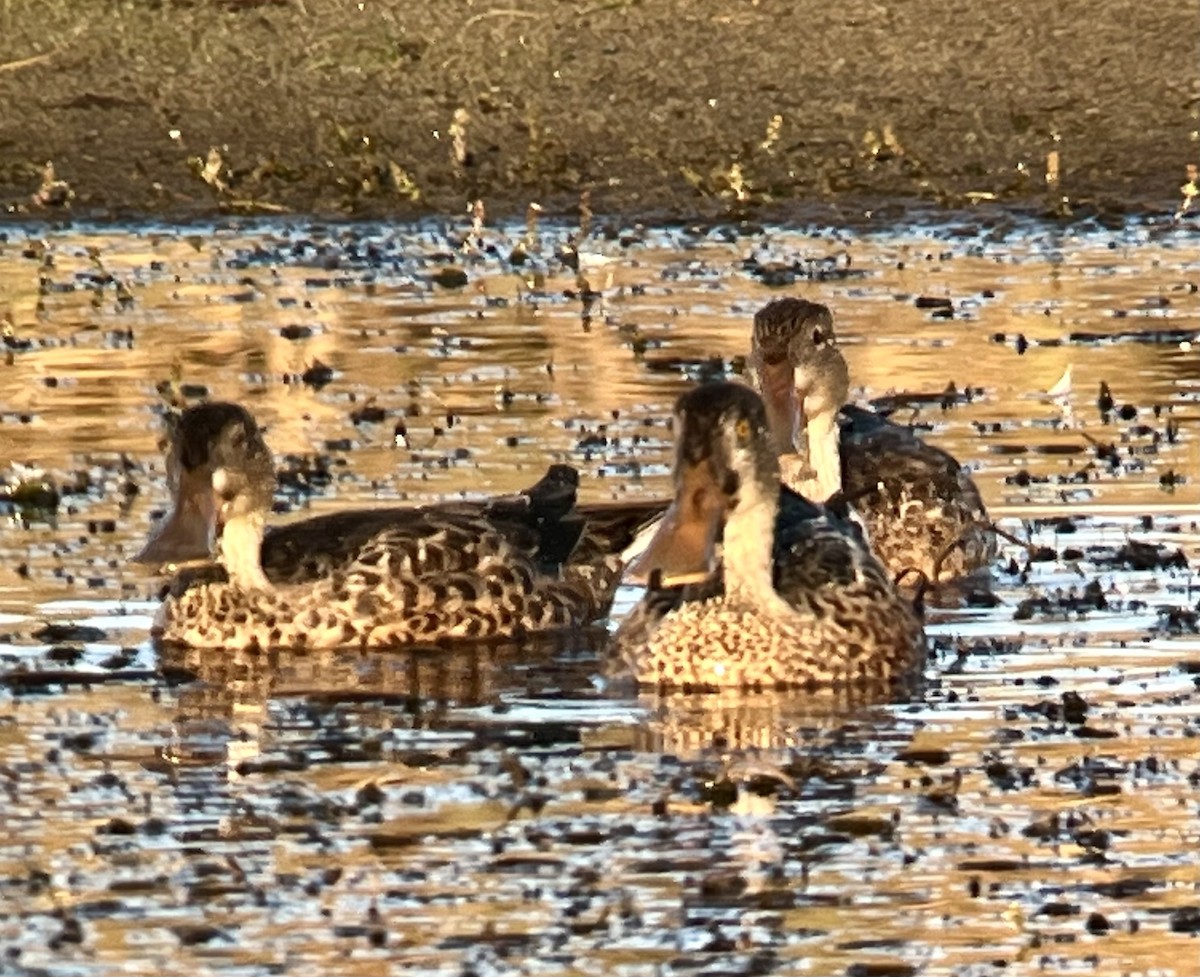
{"x": 797, "y": 601}
{"x": 499, "y": 568}
{"x": 781, "y": 591}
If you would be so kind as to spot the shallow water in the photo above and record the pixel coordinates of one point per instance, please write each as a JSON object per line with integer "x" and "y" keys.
{"x": 495, "y": 811}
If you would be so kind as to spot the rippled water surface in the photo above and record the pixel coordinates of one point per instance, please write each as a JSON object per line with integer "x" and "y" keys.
{"x": 495, "y": 811}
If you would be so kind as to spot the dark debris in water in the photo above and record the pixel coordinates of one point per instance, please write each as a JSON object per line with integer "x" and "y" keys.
{"x": 34, "y": 498}
{"x": 62, "y": 633}
{"x": 1069, "y": 602}
{"x": 1171, "y": 336}
{"x": 1179, "y": 620}
{"x": 1139, "y": 555}
{"x": 306, "y": 475}
{"x": 950, "y": 397}
{"x": 782, "y": 273}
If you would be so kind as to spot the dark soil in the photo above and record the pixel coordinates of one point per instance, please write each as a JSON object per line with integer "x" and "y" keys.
{"x": 657, "y": 108}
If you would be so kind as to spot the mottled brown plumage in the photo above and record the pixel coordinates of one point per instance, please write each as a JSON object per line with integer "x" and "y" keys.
{"x": 921, "y": 508}
{"x": 799, "y": 601}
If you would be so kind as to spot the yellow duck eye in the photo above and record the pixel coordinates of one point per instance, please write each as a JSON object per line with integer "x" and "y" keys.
{"x": 743, "y": 429}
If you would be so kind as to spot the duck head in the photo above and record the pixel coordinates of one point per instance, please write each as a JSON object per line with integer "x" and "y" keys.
{"x": 786, "y": 332}
{"x": 726, "y": 479}
{"x": 219, "y": 471}
{"x": 804, "y": 379}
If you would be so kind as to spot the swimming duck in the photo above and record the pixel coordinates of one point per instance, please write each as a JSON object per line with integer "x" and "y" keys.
{"x": 504, "y": 567}
{"x": 921, "y": 508}
{"x": 798, "y": 601}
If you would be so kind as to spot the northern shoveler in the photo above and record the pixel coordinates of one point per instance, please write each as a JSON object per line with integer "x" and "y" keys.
{"x": 798, "y": 601}
{"x": 921, "y": 508}
{"x": 498, "y": 568}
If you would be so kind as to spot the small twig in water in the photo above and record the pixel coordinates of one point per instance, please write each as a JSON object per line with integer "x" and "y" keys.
{"x": 1190, "y": 191}
{"x": 992, "y": 527}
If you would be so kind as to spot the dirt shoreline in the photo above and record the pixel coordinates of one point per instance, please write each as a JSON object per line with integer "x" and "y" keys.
{"x": 662, "y": 109}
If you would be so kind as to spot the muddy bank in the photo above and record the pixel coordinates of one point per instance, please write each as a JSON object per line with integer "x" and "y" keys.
{"x": 663, "y": 107}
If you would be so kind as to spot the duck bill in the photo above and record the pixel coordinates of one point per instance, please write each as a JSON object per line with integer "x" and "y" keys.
{"x": 777, "y": 383}
{"x": 684, "y": 547}
{"x": 187, "y": 533}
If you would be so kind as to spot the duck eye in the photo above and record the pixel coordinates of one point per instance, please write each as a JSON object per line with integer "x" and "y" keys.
{"x": 818, "y": 337}
{"x": 743, "y": 429}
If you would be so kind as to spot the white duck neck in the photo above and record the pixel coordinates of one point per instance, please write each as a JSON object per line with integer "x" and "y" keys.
{"x": 241, "y": 549}
{"x": 824, "y": 458}
{"x": 747, "y": 547}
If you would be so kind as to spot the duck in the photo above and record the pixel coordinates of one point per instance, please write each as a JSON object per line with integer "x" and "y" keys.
{"x": 795, "y": 599}
{"x": 921, "y": 509}
{"x": 495, "y": 569}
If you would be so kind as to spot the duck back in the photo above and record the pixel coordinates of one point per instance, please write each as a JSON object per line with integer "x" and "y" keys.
{"x": 921, "y": 508}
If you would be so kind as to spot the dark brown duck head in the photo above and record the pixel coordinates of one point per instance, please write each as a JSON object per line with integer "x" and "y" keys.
{"x": 797, "y": 366}
{"x": 204, "y": 440}
{"x": 726, "y": 478}
{"x": 804, "y": 379}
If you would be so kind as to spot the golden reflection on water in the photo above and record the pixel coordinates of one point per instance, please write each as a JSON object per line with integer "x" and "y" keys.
{"x": 357, "y": 812}
{"x": 209, "y": 310}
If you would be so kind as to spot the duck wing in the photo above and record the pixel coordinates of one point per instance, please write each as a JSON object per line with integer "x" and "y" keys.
{"x": 816, "y": 547}
{"x": 875, "y": 450}
{"x": 922, "y": 508}
{"x": 538, "y": 524}
{"x": 613, "y": 526}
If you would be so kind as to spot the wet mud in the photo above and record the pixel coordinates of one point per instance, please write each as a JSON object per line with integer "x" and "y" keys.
{"x": 669, "y": 108}
{"x": 498, "y": 810}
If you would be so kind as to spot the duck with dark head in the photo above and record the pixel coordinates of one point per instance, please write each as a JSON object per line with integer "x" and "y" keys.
{"x": 794, "y": 599}
{"x": 922, "y": 510}
{"x": 497, "y": 568}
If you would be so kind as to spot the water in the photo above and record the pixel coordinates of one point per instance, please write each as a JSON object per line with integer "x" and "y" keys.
{"x": 496, "y": 811}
